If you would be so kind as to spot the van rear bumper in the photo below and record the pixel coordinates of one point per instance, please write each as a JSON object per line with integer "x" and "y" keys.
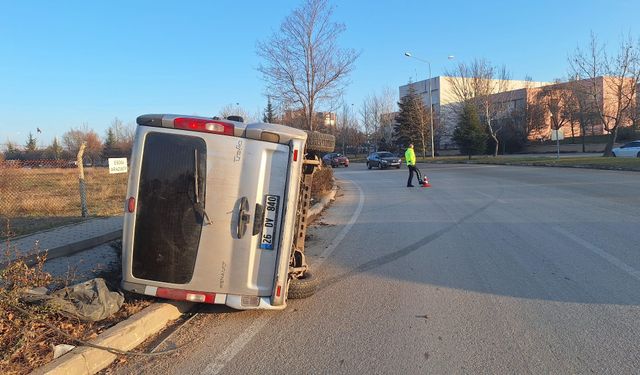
{"x": 234, "y": 301}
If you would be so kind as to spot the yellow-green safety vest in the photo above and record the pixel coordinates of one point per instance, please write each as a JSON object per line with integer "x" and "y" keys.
{"x": 410, "y": 156}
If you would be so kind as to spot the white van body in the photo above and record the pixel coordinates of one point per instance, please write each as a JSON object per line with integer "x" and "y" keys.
{"x": 211, "y": 210}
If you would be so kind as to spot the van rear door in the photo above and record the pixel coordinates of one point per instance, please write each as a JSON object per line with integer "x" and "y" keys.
{"x": 169, "y": 213}
{"x": 209, "y": 212}
{"x": 246, "y": 182}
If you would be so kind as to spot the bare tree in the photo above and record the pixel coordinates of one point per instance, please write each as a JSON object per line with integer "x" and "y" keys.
{"x": 558, "y": 102}
{"x": 476, "y": 83}
{"x": 374, "y": 108}
{"x": 584, "y": 111}
{"x": 611, "y": 83}
{"x": 123, "y": 133}
{"x": 236, "y": 110}
{"x": 347, "y": 127}
{"x": 74, "y": 138}
{"x": 303, "y": 64}
{"x": 368, "y": 120}
{"x": 387, "y": 102}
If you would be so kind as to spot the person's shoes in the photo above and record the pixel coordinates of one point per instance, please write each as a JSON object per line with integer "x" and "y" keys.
{"x": 409, "y": 185}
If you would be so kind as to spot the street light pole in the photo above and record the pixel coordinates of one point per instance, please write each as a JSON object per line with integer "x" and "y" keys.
{"x": 408, "y": 54}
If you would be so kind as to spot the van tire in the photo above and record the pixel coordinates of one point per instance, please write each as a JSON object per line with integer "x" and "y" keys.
{"x": 303, "y": 287}
{"x": 320, "y": 142}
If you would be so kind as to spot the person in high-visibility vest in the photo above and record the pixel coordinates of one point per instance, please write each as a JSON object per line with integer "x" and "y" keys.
{"x": 410, "y": 158}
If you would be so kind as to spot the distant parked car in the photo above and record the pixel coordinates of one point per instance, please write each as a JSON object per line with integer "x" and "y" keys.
{"x": 382, "y": 160}
{"x": 629, "y": 150}
{"x": 335, "y": 159}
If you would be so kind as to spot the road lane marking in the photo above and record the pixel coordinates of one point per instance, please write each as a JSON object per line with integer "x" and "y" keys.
{"x": 237, "y": 345}
{"x": 247, "y": 335}
{"x": 336, "y": 241}
{"x": 603, "y": 254}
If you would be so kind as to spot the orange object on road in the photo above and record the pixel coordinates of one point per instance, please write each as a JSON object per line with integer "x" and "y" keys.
{"x": 425, "y": 182}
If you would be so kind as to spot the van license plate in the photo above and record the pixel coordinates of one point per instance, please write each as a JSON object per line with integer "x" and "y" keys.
{"x": 272, "y": 203}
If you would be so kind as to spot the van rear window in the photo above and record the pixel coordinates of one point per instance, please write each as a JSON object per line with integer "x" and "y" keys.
{"x": 169, "y": 215}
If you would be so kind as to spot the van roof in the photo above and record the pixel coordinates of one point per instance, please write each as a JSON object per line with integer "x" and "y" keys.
{"x": 259, "y": 130}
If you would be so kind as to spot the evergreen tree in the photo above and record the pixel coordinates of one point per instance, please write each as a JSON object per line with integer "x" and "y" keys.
{"x": 109, "y": 144}
{"x": 12, "y": 152}
{"x": 55, "y": 149}
{"x": 31, "y": 145}
{"x": 269, "y": 116}
{"x": 469, "y": 134}
{"x": 412, "y": 125}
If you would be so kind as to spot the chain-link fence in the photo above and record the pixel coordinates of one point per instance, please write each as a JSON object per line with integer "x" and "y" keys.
{"x": 51, "y": 189}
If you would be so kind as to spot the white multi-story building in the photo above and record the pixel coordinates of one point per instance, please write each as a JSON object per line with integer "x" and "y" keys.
{"x": 444, "y": 102}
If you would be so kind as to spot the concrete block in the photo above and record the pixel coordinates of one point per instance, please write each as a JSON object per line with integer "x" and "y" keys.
{"x": 125, "y": 335}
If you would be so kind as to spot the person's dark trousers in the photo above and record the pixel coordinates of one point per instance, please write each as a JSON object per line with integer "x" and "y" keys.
{"x": 412, "y": 169}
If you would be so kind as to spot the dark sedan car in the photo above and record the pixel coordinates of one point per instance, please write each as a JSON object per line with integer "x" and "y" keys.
{"x": 335, "y": 159}
{"x": 383, "y": 159}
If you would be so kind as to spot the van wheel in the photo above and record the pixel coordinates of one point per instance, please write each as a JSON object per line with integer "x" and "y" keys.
{"x": 321, "y": 142}
{"x": 303, "y": 287}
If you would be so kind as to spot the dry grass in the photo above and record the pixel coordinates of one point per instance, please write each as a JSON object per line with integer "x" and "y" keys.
{"x": 599, "y": 162}
{"x": 25, "y": 341}
{"x": 30, "y": 197}
{"x": 322, "y": 182}
{"x": 56, "y": 192}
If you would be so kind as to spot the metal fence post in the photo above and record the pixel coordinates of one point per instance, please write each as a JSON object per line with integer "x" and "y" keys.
{"x": 83, "y": 187}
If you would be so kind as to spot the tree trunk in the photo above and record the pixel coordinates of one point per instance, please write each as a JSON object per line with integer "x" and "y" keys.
{"x": 583, "y": 130}
{"x": 493, "y": 134}
{"x": 310, "y": 116}
{"x": 495, "y": 139}
{"x": 610, "y": 141}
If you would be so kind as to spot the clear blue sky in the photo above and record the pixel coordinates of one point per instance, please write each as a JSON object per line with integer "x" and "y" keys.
{"x": 65, "y": 63}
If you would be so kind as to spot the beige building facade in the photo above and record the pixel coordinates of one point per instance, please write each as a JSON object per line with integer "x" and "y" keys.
{"x": 445, "y": 102}
{"x": 568, "y": 106}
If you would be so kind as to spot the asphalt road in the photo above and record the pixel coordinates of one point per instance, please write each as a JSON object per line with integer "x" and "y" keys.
{"x": 494, "y": 269}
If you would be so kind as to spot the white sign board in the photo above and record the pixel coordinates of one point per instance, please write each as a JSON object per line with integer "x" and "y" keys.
{"x": 557, "y": 135}
{"x": 118, "y": 165}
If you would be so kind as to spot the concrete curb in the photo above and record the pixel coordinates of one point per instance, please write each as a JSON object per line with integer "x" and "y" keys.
{"x": 317, "y": 208}
{"x": 16, "y": 238}
{"x": 79, "y": 246}
{"x": 125, "y": 335}
{"x": 72, "y": 248}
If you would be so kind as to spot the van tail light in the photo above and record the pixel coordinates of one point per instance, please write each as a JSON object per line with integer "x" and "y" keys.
{"x": 278, "y": 290}
{"x": 295, "y": 155}
{"x": 203, "y": 125}
{"x": 131, "y": 204}
{"x": 185, "y": 295}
